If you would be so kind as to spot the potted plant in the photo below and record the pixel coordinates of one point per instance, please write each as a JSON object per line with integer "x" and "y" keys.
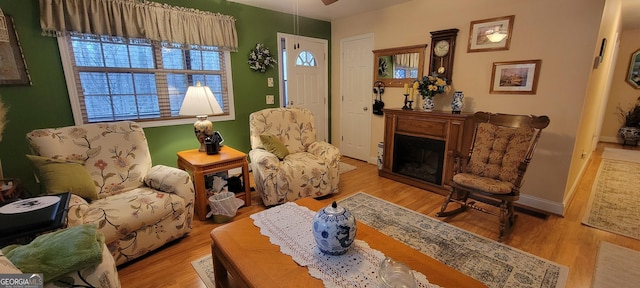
{"x": 630, "y": 131}
{"x": 428, "y": 87}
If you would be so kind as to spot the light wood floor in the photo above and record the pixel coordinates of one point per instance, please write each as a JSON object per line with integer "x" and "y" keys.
{"x": 563, "y": 240}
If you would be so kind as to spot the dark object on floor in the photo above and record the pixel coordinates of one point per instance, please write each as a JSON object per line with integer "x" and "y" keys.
{"x": 235, "y": 184}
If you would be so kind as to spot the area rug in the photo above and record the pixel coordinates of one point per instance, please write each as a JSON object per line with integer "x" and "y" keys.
{"x": 621, "y": 154}
{"x": 614, "y": 203}
{"x": 204, "y": 269}
{"x": 616, "y": 266}
{"x": 491, "y": 262}
{"x": 344, "y": 167}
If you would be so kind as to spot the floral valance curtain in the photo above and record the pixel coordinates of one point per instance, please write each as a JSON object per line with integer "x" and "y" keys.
{"x": 138, "y": 19}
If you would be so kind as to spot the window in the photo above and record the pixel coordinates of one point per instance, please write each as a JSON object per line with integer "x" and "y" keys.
{"x": 305, "y": 58}
{"x": 114, "y": 78}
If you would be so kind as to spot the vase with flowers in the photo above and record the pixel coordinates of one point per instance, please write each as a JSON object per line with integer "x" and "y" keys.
{"x": 630, "y": 131}
{"x": 428, "y": 87}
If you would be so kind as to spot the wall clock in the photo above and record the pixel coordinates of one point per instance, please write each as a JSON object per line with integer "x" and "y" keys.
{"x": 443, "y": 44}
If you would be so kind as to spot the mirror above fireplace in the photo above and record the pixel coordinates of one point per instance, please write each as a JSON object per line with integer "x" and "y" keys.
{"x": 396, "y": 66}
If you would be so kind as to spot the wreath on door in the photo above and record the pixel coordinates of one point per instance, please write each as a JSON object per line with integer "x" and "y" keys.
{"x": 260, "y": 58}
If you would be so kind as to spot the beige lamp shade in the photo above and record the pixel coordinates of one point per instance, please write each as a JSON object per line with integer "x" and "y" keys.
{"x": 200, "y": 102}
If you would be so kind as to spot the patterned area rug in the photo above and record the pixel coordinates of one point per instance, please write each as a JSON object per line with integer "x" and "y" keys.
{"x": 614, "y": 204}
{"x": 204, "y": 269}
{"x": 344, "y": 167}
{"x": 616, "y": 266}
{"x": 491, "y": 262}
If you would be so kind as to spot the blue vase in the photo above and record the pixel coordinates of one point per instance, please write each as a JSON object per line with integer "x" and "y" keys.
{"x": 334, "y": 229}
{"x": 428, "y": 104}
{"x": 456, "y": 104}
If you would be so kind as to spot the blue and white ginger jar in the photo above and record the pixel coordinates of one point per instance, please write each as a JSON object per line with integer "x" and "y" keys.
{"x": 334, "y": 229}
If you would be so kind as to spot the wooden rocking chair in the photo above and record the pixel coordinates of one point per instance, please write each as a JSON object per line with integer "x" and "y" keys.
{"x": 495, "y": 165}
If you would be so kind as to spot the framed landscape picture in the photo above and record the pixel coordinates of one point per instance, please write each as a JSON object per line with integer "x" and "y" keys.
{"x": 490, "y": 34}
{"x": 13, "y": 69}
{"x": 515, "y": 77}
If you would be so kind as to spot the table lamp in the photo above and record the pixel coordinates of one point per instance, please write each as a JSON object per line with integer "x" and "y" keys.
{"x": 200, "y": 102}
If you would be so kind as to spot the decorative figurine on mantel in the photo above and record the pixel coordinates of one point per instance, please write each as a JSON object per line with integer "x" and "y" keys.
{"x": 334, "y": 229}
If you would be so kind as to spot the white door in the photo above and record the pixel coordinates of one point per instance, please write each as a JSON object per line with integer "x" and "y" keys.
{"x": 356, "y": 89}
{"x": 305, "y": 78}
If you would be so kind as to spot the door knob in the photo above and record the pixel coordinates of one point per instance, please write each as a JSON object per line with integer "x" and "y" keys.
{"x": 365, "y": 108}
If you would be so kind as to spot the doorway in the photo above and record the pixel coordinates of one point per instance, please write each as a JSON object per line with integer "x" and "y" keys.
{"x": 356, "y": 78}
{"x": 304, "y": 77}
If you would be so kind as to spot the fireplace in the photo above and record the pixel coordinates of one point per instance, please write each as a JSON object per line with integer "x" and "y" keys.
{"x": 419, "y": 147}
{"x": 418, "y": 157}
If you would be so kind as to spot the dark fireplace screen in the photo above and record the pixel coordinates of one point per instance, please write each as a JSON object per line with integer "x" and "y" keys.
{"x": 420, "y": 158}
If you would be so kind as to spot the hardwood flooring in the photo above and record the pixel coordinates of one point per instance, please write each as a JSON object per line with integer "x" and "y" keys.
{"x": 563, "y": 240}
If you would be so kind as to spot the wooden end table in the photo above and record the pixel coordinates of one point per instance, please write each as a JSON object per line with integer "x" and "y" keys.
{"x": 199, "y": 164}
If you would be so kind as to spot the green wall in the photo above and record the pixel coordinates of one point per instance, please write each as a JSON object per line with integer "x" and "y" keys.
{"x": 46, "y": 103}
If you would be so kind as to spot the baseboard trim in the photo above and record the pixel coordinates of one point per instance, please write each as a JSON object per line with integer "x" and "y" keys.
{"x": 610, "y": 139}
{"x": 541, "y": 204}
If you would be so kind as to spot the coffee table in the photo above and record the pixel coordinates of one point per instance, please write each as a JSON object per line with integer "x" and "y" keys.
{"x": 242, "y": 257}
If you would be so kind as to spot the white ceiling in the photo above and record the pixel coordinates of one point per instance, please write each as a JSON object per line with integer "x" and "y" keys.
{"x": 317, "y": 10}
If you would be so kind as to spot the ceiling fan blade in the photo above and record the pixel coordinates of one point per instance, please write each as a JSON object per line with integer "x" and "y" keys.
{"x": 327, "y": 2}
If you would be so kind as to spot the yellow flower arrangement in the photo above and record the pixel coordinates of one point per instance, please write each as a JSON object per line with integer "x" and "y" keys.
{"x": 430, "y": 85}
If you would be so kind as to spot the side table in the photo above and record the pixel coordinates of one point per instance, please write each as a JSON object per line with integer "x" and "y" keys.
{"x": 199, "y": 164}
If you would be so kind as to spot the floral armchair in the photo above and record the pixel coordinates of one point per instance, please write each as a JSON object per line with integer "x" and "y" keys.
{"x": 137, "y": 207}
{"x": 307, "y": 168}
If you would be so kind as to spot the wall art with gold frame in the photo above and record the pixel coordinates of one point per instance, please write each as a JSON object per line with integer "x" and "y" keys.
{"x": 13, "y": 67}
{"x": 515, "y": 77}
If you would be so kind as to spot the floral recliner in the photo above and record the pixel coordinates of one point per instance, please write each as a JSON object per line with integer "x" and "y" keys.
{"x": 140, "y": 207}
{"x": 310, "y": 170}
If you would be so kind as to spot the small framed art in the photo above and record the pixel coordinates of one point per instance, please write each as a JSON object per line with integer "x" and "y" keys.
{"x": 490, "y": 34}
{"x": 515, "y": 77}
{"x": 13, "y": 68}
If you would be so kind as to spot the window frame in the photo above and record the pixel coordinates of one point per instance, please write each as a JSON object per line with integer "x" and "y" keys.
{"x": 68, "y": 68}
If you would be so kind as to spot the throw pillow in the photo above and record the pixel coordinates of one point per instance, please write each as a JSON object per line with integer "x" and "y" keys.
{"x": 61, "y": 176}
{"x": 272, "y": 144}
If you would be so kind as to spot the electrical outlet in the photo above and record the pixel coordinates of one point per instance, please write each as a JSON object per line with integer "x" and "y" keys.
{"x": 270, "y": 82}
{"x": 270, "y": 99}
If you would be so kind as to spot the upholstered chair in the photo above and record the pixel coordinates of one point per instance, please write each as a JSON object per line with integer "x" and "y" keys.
{"x": 494, "y": 168}
{"x": 288, "y": 162}
{"x": 107, "y": 168}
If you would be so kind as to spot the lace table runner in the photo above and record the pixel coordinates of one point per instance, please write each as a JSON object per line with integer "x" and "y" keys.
{"x": 289, "y": 226}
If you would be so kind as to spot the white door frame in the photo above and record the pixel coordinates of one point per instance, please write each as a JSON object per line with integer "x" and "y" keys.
{"x": 325, "y": 92}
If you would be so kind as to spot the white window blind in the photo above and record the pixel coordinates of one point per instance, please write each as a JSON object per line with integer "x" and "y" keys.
{"x": 115, "y": 78}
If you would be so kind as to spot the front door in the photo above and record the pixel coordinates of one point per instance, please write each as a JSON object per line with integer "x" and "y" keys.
{"x": 305, "y": 77}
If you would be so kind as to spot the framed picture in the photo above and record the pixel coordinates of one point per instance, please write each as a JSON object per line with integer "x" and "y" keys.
{"x": 490, "y": 34}
{"x": 13, "y": 68}
{"x": 516, "y": 77}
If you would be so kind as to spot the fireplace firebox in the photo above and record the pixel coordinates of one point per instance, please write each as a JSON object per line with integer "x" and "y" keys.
{"x": 419, "y": 147}
{"x": 419, "y": 157}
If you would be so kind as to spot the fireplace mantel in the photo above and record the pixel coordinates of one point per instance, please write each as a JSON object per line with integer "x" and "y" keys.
{"x": 436, "y": 125}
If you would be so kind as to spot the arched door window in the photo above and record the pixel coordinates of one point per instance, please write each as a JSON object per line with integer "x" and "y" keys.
{"x": 306, "y": 58}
